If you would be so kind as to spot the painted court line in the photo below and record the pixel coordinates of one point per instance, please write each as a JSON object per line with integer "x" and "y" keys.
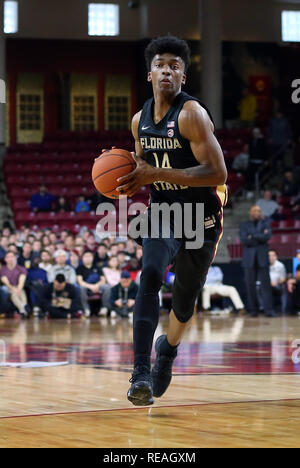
{"x": 148, "y": 408}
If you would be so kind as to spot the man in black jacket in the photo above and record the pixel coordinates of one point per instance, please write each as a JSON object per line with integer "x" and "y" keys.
{"x": 123, "y": 295}
{"x": 255, "y": 235}
{"x": 60, "y": 299}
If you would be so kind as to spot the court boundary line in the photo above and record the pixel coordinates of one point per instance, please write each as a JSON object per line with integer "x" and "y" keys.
{"x": 147, "y": 408}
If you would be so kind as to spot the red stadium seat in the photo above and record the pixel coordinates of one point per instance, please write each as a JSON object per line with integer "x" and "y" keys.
{"x": 46, "y": 216}
{"x": 20, "y": 205}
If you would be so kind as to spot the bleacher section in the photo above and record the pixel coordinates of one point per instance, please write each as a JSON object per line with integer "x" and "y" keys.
{"x": 63, "y": 162}
{"x": 285, "y": 234}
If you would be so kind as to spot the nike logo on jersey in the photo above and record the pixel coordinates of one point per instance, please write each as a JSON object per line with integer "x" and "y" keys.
{"x": 145, "y": 128}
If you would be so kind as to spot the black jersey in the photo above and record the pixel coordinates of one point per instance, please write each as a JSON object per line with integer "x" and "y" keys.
{"x": 165, "y": 147}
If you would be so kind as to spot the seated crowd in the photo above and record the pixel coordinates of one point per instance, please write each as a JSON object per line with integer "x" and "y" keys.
{"x": 66, "y": 276}
{"x": 63, "y": 276}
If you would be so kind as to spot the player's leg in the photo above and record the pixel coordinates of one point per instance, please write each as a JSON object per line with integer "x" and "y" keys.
{"x": 191, "y": 267}
{"x": 157, "y": 255}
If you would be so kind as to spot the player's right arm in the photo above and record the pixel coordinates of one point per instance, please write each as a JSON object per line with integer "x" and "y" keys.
{"x": 135, "y": 132}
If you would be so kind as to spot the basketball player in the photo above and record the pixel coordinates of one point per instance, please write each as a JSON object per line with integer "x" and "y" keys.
{"x": 191, "y": 170}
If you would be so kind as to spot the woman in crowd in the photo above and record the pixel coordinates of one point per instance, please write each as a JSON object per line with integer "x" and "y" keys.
{"x": 112, "y": 272}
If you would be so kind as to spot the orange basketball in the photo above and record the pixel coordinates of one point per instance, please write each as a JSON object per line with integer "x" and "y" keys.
{"x": 111, "y": 165}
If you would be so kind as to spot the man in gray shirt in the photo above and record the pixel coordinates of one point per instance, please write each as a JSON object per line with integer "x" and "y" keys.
{"x": 61, "y": 267}
{"x": 267, "y": 205}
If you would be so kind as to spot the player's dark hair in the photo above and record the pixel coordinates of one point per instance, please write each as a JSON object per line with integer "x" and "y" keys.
{"x": 168, "y": 45}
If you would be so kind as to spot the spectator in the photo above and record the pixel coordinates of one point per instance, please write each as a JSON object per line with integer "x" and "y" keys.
{"x": 133, "y": 268}
{"x": 121, "y": 246}
{"x": 80, "y": 249}
{"x": 106, "y": 241}
{"x": 91, "y": 281}
{"x": 82, "y": 205}
{"x": 13, "y": 248}
{"x": 62, "y": 205}
{"x": 257, "y": 147}
{"x": 289, "y": 186}
{"x": 46, "y": 263}
{"x": 113, "y": 250}
{"x": 79, "y": 241}
{"x": 39, "y": 234}
{"x": 112, "y": 272}
{"x": 36, "y": 248}
{"x": 60, "y": 245}
{"x": 101, "y": 256}
{"x": 6, "y": 231}
{"x": 278, "y": 280}
{"x": 53, "y": 238}
{"x": 123, "y": 295}
{"x": 25, "y": 231}
{"x": 139, "y": 255}
{"x": 64, "y": 234}
{"x": 293, "y": 287}
{"x": 74, "y": 259}
{"x": 130, "y": 248}
{"x": 296, "y": 261}
{"x": 280, "y": 134}
{"x": 122, "y": 259}
{"x": 45, "y": 240}
{"x": 3, "y": 246}
{"x": 51, "y": 249}
{"x": 97, "y": 198}
{"x": 42, "y": 201}
{"x": 26, "y": 256}
{"x": 69, "y": 242}
{"x": 13, "y": 276}
{"x": 255, "y": 235}
{"x": 30, "y": 239}
{"x": 214, "y": 285}
{"x": 258, "y": 155}
{"x": 59, "y": 299}
{"x": 247, "y": 108}
{"x": 62, "y": 267}
{"x": 91, "y": 243}
{"x": 13, "y": 239}
{"x": 241, "y": 161}
{"x": 279, "y": 215}
{"x": 6, "y": 306}
{"x": 36, "y": 279}
{"x": 267, "y": 205}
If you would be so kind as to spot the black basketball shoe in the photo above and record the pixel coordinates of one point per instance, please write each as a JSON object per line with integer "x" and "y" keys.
{"x": 162, "y": 369}
{"x": 140, "y": 392}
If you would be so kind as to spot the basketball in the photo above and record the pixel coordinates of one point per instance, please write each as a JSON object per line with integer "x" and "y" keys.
{"x": 111, "y": 165}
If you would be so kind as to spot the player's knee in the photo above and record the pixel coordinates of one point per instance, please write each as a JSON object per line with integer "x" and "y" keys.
{"x": 183, "y": 302}
{"x": 183, "y": 315}
{"x": 152, "y": 276}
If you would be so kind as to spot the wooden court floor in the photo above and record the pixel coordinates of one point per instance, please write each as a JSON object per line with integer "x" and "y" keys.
{"x": 235, "y": 384}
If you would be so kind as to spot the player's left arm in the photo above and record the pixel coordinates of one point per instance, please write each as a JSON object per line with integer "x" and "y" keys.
{"x": 196, "y": 126}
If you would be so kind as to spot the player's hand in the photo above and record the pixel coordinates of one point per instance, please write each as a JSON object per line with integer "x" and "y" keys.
{"x": 103, "y": 151}
{"x": 143, "y": 174}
